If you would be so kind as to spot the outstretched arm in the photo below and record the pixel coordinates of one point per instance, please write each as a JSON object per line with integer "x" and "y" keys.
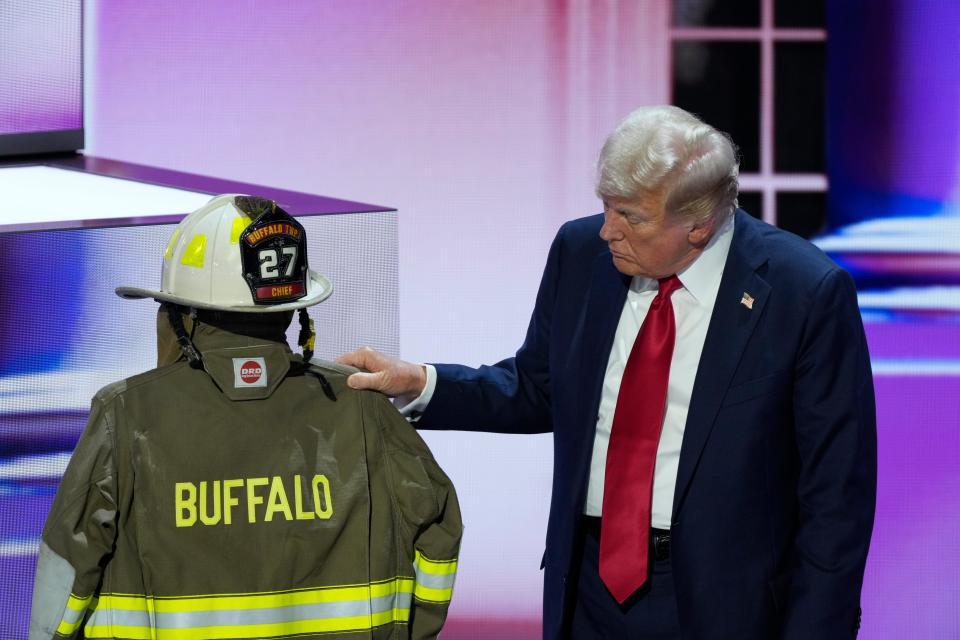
{"x": 511, "y": 396}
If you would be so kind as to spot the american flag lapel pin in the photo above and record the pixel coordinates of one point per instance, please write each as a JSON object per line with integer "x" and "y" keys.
{"x": 747, "y": 300}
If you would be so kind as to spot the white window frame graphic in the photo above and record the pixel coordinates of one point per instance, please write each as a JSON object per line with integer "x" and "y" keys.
{"x": 767, "y": 181}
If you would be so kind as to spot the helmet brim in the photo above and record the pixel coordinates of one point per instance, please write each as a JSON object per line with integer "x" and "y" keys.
{"x": 318, "y": 290}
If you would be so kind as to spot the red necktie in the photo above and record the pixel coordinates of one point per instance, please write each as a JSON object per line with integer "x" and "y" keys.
{"x": 632, "y": 453}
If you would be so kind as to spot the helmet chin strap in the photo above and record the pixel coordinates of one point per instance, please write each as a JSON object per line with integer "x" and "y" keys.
{"x": 183, "y": 340}
{"x": 307, "y": 336}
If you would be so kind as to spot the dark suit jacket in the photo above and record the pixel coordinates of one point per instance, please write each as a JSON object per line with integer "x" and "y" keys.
{"x": 776, "y": 484}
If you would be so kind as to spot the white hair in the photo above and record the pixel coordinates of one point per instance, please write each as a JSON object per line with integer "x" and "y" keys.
{"x": 666, "y": 148}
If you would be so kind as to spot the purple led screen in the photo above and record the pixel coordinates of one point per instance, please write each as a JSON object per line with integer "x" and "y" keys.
{"x": 894, "y": 207}
{"x": 480, "y": 122}
{"x": 40, "y": 66}
{"x": 894, "y": 108}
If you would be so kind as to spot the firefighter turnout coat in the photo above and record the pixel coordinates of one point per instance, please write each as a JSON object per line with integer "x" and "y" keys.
{"x": 255, "y": 497}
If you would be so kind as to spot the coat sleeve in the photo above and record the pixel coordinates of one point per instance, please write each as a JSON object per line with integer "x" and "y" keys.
{"x": 431, "y": 521}
{"x": 835, "y": 420}
{"x": 513, "y": 395}
{"x": 79, "y": 534}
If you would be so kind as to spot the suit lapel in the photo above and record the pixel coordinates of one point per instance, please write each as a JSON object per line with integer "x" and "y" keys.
{"x": 608, "y": 291}
{"x": 731, "y": 326}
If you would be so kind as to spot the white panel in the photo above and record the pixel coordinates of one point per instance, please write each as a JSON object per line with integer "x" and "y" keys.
{"x": 36, "y": 194}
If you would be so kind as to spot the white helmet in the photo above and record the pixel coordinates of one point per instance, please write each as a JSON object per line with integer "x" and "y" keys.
{"x": 237, "y": 253}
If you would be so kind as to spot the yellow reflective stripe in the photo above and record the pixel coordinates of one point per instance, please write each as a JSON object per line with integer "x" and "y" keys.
{"x": 193, "y": 254}
{"x": 68, "y": 628}
{"x": 236, "y": 632}
{"x": 73, "y": 614}
{"x": 168, "y": 253}
{"x": 428, "y": 594}
{"x": 265, "y": 600}
{"x": 436, "y": 567}
{"x": 239, "y": 225}
{"x": 111, "y": 630}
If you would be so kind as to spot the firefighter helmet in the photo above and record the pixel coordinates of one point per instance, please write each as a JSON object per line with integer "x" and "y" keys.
{"x": 237, "y": 253}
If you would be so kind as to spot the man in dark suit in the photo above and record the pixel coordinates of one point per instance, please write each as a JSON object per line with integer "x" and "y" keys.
{"x": 707, "y": 382}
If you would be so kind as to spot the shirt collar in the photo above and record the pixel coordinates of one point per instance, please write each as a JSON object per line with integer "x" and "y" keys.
{"x": 701, "y": 278}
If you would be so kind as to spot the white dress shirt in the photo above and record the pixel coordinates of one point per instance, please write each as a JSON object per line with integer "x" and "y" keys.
{"x": 692, "y": 309}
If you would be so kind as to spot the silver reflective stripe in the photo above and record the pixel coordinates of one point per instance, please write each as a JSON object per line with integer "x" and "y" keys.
{"x": 239, "y": 617}
{"x": 435, "y": 580}
{"x": 121, "y": 617}
{"x": 72, "y": 616}
{"x": 51, "y": 591}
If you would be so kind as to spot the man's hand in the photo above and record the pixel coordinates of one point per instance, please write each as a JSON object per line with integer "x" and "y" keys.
{"x": 391, "y": 376}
